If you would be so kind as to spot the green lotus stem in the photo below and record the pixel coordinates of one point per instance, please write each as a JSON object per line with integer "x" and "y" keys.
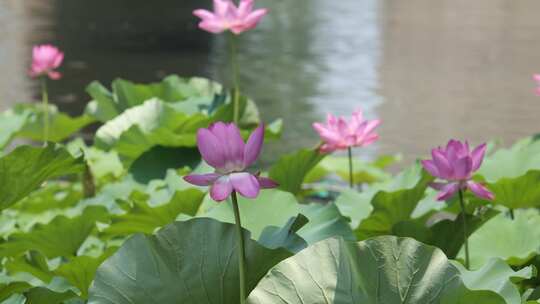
{"x": 89, "y": 187}
{"x": 512, "y": 216}
{"x": 241, "y": 248}
{"x": 351, "y": 177}
{"x": 236, "y": 81}
{"x": 465, "y": 235}
{"x": 45, "y": 104}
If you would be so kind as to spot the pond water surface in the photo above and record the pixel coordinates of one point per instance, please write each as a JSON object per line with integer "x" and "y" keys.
{"x": 430, "y": 70}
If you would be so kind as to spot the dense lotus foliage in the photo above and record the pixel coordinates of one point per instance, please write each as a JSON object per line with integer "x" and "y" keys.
{"x": 122, "y": 215}
{"x": 111, "y": 220}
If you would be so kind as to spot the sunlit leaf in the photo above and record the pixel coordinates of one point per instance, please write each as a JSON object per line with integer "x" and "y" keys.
{"x": 513, "y": 162}
{"x": 516, "y": 241}
{"x": 153, "y": 123}
{"x": 382, "y": 270}
{"x": 102, "y": 164}
{"x": 519, "y": 192}
{"x": 270, "y": 208}
{"x": 355, "y": 205}
{"x": 275, "y": 208}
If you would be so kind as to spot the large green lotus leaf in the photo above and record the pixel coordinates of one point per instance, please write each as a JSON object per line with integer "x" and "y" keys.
{"x": 513, "y": 162}
{"x": 291, "y": 170}
{"x": 106, "y": 105}
{"x": 61, "y": 125}
{"x": 429, "y": 204}
{"x": 154, "y": 163}
{"x": 153, "y": 116}
{"x": 386, "y": 270}
{"x": 186, "y": 262}
{"x": 518, "y": 192}
{"x": 153, "y": 123}
{"x": 325, "y": 221}
{"x": 355, "y": 205}
{"x": 155, "y": 136}
{"x": 160, "y": 192}
{"x": 391, "y": 206}
{"x": 496, "y": 276}
{"x": 129, "y": 94}
{"x": 105, "y": 166}
{"x": 63, "y": 236}
{"x": 163, "y": 191}
{"x": 189, "y": 95}
{"x": 516, "y": 241}
{"x": 270, "y": 208}
{"x": 358, "y": 205}
{"x": 103, "y": 106}
{"x": 272, "y": 236}
{"x": 26, "y": 168}
{"x": 141, "y": 217}
{"x": 276, "y": 208}
{"x": 222, "y": 109}
{"x": 442, "y": 230}
{"x": 10, "y": 124}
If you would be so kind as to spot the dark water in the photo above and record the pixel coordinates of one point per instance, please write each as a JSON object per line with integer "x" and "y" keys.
{"x": 429, "y": 69}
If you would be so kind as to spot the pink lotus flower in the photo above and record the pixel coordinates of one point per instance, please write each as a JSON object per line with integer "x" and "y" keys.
{"x": 456, "y": 164}
{"x": 46, "y": 58}
{"x": 340, "y": 134}
{"x": 223, "y": 148}
{"x": 536, "y": 78}
{"x": 227, "y": 16}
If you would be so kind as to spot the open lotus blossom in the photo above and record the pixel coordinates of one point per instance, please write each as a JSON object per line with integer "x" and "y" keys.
{"x": 340, "y": 134}
{"x": 223, "y": 148}
{"x": 227, "y": 16}
{"x": 45, "y": 59}
{"x": 456, "y": 164}
{"x": 536, "y": 78}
